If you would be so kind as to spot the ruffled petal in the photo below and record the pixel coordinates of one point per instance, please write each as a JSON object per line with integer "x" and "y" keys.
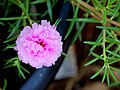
{"x": 40, "y": 45}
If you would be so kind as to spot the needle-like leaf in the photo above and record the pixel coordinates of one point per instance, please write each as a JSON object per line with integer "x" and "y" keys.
{"x": 97, "y": 73}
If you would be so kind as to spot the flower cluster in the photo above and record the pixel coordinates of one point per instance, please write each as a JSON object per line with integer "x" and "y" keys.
{"x": 39, "y": 45}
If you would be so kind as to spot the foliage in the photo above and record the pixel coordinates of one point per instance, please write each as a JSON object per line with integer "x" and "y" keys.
{"x": 103, "y": 12}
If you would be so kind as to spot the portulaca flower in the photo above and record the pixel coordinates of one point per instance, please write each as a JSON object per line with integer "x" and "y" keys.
{"x": 39, "y": 45}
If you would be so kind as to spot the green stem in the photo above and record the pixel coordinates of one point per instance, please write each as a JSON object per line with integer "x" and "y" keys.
{"x": 104, "y": 22}
{"x": 104, "y": 47}
{"x": 95, "y": 14}
{"x": 25, "y": 11}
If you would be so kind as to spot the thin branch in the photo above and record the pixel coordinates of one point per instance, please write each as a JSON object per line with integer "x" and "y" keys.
{"x": 97, "y": 15}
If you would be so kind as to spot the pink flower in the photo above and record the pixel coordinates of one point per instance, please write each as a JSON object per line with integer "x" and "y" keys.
{"x": 39, "y": 45}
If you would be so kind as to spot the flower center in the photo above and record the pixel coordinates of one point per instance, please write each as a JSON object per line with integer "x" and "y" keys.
{"x": 41, "y": 43}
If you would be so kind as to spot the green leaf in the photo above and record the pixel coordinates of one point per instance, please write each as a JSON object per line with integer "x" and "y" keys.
{"x": 8, "y": 66}
{"x": 99, "y": 39}
{"x": 110, "y": 40}
{"x": 14, "y": 2}
{"x": 72, "y": 23}
{"x": 10, "y": 39}
{"x": 64, "y": 54}
{"x": 19, "y": 69}
{"x": 15, "y": 28}
{"x": 27, "y": 3}
{"x": 49, "y": 10}
{"x": 91, "y": 61}
{"x": 108, "y": 27}
{"x": 92, "y": 43}
{"x": 11, "y": 25}
{"x": 10, "y": 60}
{"x": 24, "y": 69}
{"x": 108, "y": 79}
{"x": 116, "y": 10}
{"x": 5, "y": 84}
{"x": 117, "y": 50}
{"x": 114, "y": 84}
{"x": 97, "y": 73}
{"x": 79, "y": 28}
{"x": 113, "y": 76}
{"x": 104, "y": 2}
{"x": 115, "y": 41}
{"x": 94, "y": 3}
{"x": 9, "y": 47}
{"x": 99, "y": 5}
{"x": 78, "y": 33}
{"x": 2, "y": 23}
{"x": 84, "y": 20}
{"x": 114, "y": 61}
{"x": 113, "y": 1}
{"x": 38, "y": 1}
{"x": 104, "y": 16}
{"x": 22, "y": 6}
{"x": 111, "y": 13}
{"x": 110, "y": 45}
{"x": 97, "y": 56}
{"x": 115, "y": 54}
{"x": 69, "y": 29}
{"x": 45, "y": 13}
{"x": 11, "y": 18}
{"x": 116, "y": 69}
{"x": 57, "y": 21}
{"x": 20, "y": 72}
{"x": 105, "y": 73}
{"x": 110, "y": 34}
